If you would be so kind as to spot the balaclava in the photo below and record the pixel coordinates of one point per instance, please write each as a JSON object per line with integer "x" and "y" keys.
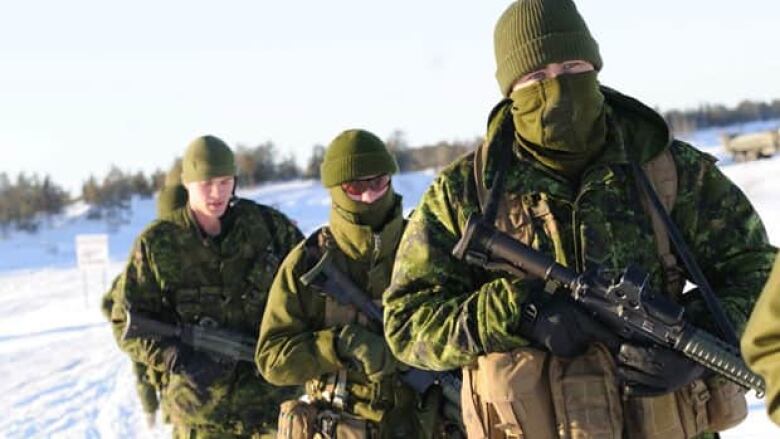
{"x": 352, "y": 155}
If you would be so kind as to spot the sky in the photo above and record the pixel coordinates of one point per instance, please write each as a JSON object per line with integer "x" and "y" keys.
{"x": 85, "y": 83}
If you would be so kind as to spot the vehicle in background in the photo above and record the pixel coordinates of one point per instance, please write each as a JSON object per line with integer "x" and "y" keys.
{"x": 752, "y": 146}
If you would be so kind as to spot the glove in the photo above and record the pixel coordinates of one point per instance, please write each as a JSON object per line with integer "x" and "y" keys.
{"x": 654, "y": 370}
{"x": 197, "y": 368}
{"x": 366, "y": 350}
{"x": 562, "y": 328}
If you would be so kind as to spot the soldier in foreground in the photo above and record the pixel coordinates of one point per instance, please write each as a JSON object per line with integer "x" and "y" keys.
{"x": 210, "y": 264}
{"x": 560, "y": 171}
{"x": 149, "y": 382}
{"x": 352, "y": 379}
{"x": 761, "y": 341}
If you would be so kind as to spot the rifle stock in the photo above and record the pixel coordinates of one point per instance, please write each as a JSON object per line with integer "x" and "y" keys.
{"x": 625, "y": 304}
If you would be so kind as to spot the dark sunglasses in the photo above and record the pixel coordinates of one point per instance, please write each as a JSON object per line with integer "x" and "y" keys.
{"x": 357, "y": 187}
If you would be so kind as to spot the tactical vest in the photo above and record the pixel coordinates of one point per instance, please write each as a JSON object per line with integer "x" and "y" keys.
{"x": 528, "y": 393}
{"x": 332, "y": 388}
{"x": 325, "y": 406}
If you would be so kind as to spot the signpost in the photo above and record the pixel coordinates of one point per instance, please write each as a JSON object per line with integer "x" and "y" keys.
{"x": 92, "y": 254}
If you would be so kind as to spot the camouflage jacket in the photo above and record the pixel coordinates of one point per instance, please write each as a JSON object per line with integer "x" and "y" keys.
{"x": 441, "y": 313}
{"x": 178, "y": 274}
{"x": 297, "y": 345}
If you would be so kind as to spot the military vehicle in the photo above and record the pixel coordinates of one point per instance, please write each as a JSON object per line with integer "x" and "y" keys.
{"x": 744, "y": 147}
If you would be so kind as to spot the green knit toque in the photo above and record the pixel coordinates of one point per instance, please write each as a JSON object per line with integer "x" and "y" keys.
{"x": 533, "y": 33}
{"x": 207, "y": 157}
{"x": 354, "y": 154}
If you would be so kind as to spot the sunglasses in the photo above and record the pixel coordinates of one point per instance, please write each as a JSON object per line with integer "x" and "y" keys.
{"x": 357, "y": 187}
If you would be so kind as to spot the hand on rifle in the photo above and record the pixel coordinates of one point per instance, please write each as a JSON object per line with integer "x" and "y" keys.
{"x": 558, "y": 325}
{"x": 367, "y": 350}
{"x": 198, "y": 368}
{"x": 654, "y": 370}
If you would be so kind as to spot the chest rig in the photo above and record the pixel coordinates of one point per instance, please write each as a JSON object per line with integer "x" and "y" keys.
{"x": 333, "y": 389}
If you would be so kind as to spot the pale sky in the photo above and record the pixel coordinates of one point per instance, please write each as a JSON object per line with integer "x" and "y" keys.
{"x": 88, "y": 83}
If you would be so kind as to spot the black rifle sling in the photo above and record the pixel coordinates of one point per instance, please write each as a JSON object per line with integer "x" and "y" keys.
{"x": 713, "y": 305}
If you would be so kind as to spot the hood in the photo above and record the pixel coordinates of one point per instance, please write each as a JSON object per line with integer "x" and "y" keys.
{"x": 645, "y": 133}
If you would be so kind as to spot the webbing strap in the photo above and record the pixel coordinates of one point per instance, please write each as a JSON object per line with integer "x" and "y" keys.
{"x": 724, "y": 325}
{"x": 662, "y": 173}
{"x": 489, "y": 199}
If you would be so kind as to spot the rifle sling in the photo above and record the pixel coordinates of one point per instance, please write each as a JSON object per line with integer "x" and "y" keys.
{"x": 713, "y": 305}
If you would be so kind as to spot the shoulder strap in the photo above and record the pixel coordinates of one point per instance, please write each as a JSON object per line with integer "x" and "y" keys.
{"x": 489, "y": 198}
{"x": 662, "y": 173}
{"x": 723, "y": 324}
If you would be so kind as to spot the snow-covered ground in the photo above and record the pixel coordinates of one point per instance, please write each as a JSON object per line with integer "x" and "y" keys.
{"x": 62, "y": 374}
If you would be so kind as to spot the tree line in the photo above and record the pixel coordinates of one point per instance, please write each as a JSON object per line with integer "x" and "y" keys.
{"x": 24, "y": 199}
{"x": 716, "y": 115}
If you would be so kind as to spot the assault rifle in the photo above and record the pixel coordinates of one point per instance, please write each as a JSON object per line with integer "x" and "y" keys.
{"x": 336, "y": 284}
{"x": 204, "y": 338}
{"x": 625, "y": 304}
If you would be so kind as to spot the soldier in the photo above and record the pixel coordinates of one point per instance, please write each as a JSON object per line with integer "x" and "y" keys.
{"x": 761, "y": 341}
{"x": 571, "y": 152}
{"x": 149, "y": 382}
{"x": 351, "y": 377}
{"x": 208, "y": 263}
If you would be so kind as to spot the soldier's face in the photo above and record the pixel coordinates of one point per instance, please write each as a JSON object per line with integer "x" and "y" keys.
{"x": 551, "y": 71}
{"x": 210, "y": 197}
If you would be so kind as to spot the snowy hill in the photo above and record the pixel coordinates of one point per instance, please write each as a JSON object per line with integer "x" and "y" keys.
{"x": 63, "y": 374}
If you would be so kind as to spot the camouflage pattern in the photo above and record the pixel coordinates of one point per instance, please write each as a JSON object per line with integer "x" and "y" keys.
{"x": 178, "y": 274}
{"x": 296, "y": 346}
{"x": 441, "y": 313}
{"x": 148, "y": 382}
{"x": 761, "y": 341}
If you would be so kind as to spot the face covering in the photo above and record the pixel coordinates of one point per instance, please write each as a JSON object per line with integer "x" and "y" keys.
{"x": 373, "y": 215}
{"x": 561, "y": 121}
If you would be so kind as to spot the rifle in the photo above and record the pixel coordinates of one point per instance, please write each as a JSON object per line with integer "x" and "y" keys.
{"x": 625, "y": 303}
{"x": 219, "y": 342}
{"x": 336, "y": 284}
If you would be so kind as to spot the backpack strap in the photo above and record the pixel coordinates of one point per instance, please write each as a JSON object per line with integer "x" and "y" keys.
{"x": 722, "y": 322}
{"x": 662, "y": 173}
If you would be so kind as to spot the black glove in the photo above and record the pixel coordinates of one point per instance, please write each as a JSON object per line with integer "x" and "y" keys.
{"x": 197, "y": 368}
{"x": 651, "y": 371}
{"x": 561, "y": 327}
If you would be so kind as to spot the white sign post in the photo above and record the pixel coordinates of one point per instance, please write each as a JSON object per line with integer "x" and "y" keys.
{"x": 92, "y": 254}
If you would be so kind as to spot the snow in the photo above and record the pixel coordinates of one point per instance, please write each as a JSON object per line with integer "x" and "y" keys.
{"x": 63, "y": 375}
